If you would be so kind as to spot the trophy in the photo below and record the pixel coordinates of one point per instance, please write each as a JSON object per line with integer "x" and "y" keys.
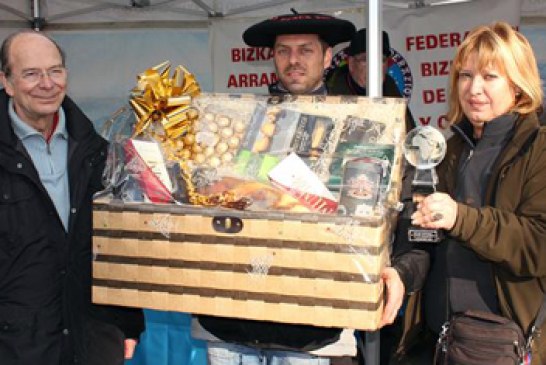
{"x": 424, "y": 148}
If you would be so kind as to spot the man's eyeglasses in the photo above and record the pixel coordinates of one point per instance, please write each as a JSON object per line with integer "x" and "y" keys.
{"x": 33, "y": 76}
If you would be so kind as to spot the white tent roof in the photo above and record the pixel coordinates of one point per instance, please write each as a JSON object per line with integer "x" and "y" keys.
{"x": 187, "y": 13}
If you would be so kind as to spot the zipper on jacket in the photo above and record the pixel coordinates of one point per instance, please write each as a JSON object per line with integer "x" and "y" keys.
{"x": 467, "y": 160}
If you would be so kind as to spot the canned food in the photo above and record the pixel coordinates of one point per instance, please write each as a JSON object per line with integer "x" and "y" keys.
{"x": 361, "y": 184}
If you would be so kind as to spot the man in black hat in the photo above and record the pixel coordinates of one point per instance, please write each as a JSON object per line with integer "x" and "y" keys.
{"x": 302, "y": 48}
{"x": 352, "y": 77}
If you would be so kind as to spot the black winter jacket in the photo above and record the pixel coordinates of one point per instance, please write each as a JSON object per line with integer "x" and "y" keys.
{"x": 45, "y": 272}
{"x": 411, "y": 263}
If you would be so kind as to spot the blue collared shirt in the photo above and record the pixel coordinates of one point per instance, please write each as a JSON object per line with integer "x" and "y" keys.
{"x": 50, "y": 159}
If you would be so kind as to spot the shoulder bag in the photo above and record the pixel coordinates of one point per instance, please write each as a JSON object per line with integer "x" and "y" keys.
{"x": 476, "y": 337}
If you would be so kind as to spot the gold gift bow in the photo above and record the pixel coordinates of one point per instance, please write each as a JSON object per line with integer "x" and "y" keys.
{"x": 158, "y": 99}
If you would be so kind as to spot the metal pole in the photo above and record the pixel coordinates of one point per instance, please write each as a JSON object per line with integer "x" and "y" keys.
{"x": 374, "y": 50}
{"x": 36, "y": 20}
{"x": 374, "y": 53}
{"x": 371, "y": 348}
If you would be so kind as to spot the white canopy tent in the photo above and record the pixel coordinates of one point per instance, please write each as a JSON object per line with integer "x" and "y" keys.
{"x": 81, "y": 14}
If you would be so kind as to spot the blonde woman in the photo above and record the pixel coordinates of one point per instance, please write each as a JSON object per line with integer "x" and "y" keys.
{"x": 492, "y": 189}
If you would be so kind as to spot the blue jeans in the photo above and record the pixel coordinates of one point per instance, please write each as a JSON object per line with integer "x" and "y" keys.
{"x": 222, "y": 353}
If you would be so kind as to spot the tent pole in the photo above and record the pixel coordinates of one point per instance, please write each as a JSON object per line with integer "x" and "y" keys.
{"x": 37, "y": 21}
{"x": 374, "y": 50}
{"x": 375, "y": 80}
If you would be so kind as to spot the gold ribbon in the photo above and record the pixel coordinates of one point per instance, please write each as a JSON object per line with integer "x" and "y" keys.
{"x": 158, "y": 98}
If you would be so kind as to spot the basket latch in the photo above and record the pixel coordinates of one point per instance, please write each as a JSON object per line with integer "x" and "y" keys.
{"x": 225, "y": 224}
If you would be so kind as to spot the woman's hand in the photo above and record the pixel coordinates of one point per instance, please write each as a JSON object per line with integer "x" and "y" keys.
{"x": 435, "y": 211}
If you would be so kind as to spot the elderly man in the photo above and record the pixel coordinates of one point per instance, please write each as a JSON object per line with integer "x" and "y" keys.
{"x": 302, "y": 50}
{"x": 51, "y": 163}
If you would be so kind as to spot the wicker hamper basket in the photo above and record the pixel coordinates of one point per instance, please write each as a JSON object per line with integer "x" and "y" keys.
{"x": 295, "y": 268}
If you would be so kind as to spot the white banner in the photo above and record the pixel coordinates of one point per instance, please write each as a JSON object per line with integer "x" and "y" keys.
{"x": 424, "y": 42}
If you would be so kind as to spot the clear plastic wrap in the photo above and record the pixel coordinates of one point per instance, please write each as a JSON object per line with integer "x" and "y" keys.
{"x": 166, "y": 234}
{"x": 233, "y": 142}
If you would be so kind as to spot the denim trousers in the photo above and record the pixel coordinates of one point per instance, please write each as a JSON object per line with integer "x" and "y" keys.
{"x": 222, "y": 353}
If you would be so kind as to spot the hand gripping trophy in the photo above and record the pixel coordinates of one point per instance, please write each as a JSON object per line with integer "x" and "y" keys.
{"x": 424, "y": 148}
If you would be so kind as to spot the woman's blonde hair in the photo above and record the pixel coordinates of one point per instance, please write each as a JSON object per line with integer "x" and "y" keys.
{"x": 507, "y": 50}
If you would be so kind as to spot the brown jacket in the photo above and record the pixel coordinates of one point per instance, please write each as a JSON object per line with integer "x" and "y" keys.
{"x": 511, "y": 230}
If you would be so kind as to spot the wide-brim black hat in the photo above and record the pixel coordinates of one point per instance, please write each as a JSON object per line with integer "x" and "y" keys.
{"x": 359, "y": 41}
{"x": 330, "y": 29}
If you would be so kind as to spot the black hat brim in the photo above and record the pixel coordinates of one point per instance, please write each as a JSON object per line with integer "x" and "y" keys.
{"x": 359, "y": 41}
{"x": 329, "y": 29}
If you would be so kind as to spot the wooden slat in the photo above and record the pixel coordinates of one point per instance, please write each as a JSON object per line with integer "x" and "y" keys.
{"x": 358, "y": 290}
{"x": 353, "y": 232}
{"x": 192, "y": 252}
{"x": 283, "y": 312}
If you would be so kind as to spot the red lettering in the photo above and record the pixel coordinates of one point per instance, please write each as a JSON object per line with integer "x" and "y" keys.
{"x": 265, "y": 53}
{"x": 235, "y": 55}
{"x": 439, "y": 68}
{"x": 416, "y": 43}
{"x": 442, "y": 122}
{"x": 455, "y": 38}
{"x": 441, "y": 95}
{"x": 251, "y": 80}
{"x": 434, "y": 96}
{"x": 410, "y": 41}
{"x": 251, "y": 54}
{"x": 232, "y": 81}
{"x": 426, "y": 69}
{"x": 263, "y": 80}
{"x": 243, "y": 80}
{"x": 424, "y": 120}
{"x": 444, "y": 67}
{"x": 428, "y": 96}
{"x": 433, "y": 41}
{"x": 443, "y": 40}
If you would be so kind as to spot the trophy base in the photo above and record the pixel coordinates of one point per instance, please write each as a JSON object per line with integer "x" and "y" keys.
{"x": 425, "y": 235}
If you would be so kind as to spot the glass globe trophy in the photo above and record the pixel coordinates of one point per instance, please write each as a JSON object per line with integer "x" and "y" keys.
{"x": 424, "y": 148}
